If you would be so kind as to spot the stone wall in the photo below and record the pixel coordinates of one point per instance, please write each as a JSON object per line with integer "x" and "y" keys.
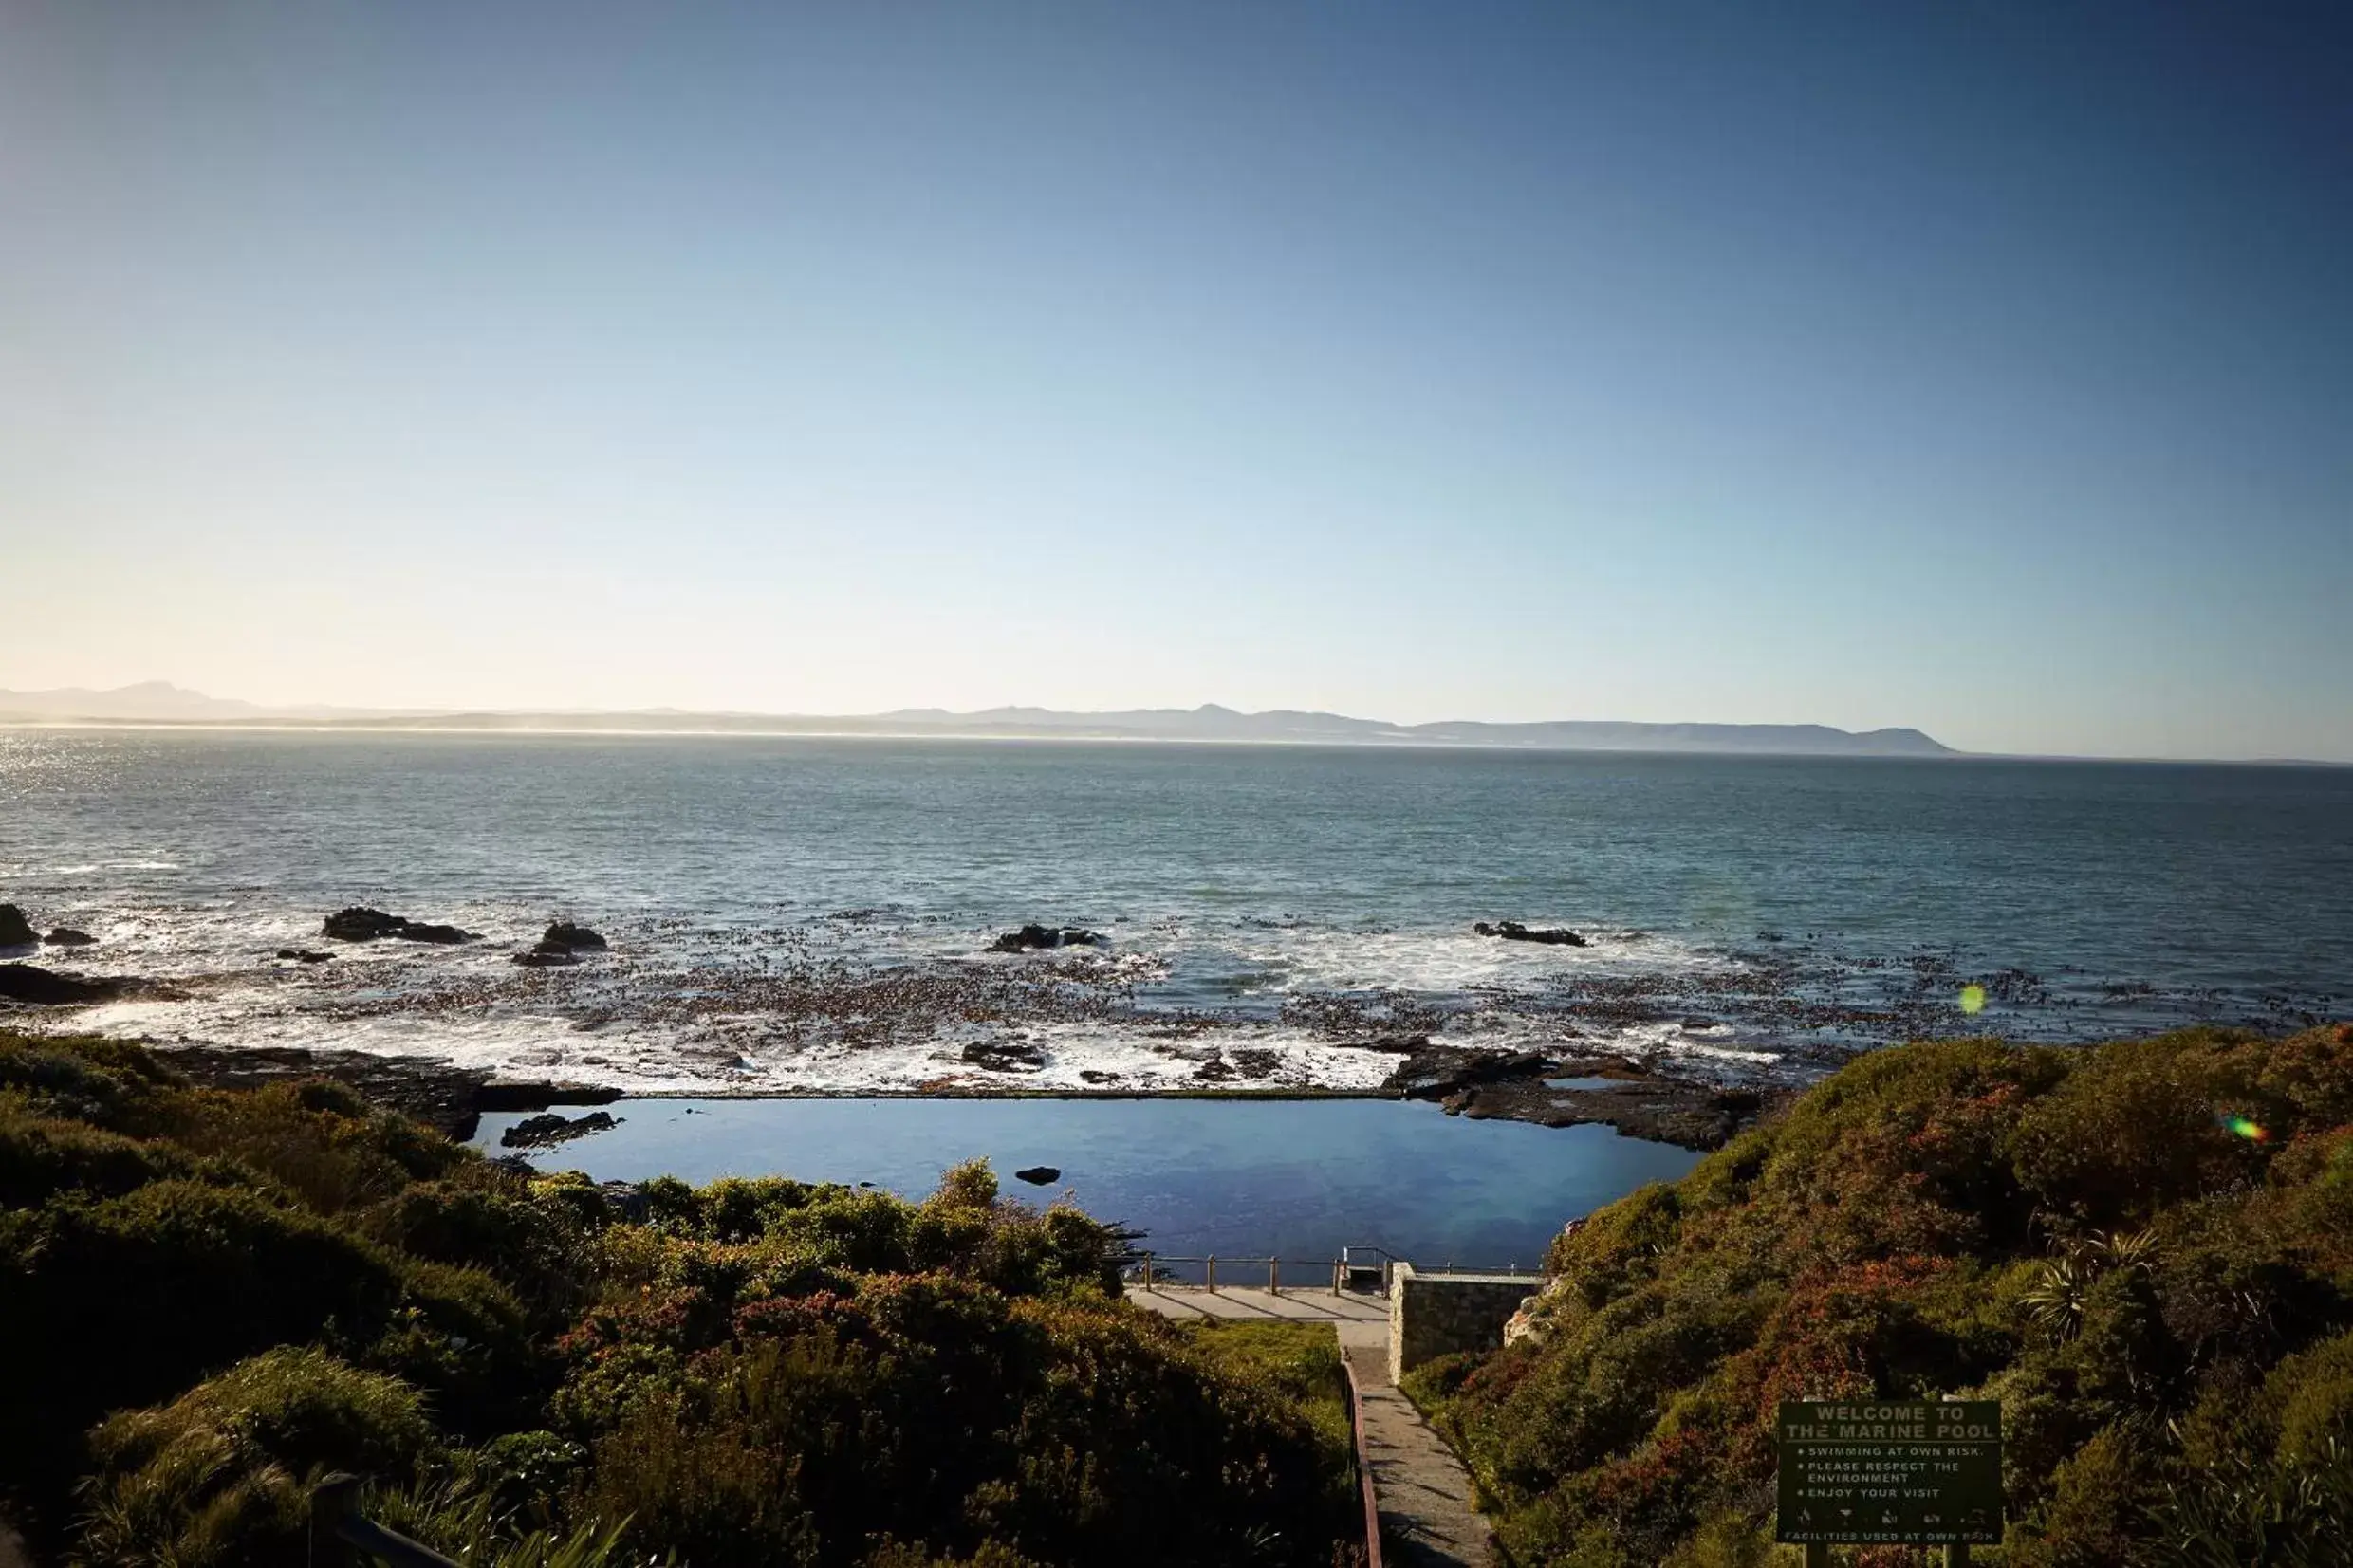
{"x": 1433, "y": 1315}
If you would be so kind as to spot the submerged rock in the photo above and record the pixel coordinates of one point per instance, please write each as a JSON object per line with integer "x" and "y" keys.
{"x": 47, "y": 989}
{"x": 1039, "y": 1176}
{"x": 15, "y": 931}
{"x": 65, "y": 937}
{"x": 546, "y": 957}
{"x": 356, "y": 924}
{"x": 1032, "y": 938}
{"x": 304, "y": 955}
{"x": 548, "y": 1129}
{"x": 1511, "y": 930}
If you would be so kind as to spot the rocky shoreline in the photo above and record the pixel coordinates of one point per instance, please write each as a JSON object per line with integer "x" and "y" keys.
{"x": 1637, "y": 1100}
{"x": 451, "y": 1099}
{"x": 1685, "y": 1051}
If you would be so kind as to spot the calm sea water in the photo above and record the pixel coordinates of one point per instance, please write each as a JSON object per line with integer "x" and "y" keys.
{"x": 810, "y": 913}
{"x": 1297, "y": 1180}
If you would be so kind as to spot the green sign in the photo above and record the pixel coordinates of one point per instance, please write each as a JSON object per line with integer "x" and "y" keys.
{"x": 1890, "y": 1475}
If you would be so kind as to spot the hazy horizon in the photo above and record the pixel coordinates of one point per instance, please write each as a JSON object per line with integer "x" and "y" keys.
{"x": 345, "y": 715}
{"x": 1981, "y": 373}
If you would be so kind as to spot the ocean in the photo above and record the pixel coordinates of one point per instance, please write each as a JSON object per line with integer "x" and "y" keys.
{"x": 807, "y": 914}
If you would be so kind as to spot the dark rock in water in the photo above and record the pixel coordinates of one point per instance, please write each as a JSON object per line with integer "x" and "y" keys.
{"x": 15, "y": 931}
{"x": 1215, "y": 1070}
{"x": 1004, "y": 1056}
{"x": 538, "y": 1097}
{"x": 47, "y": 989}
{"x": 304, "y": 955}
{"x": 1639, "y": 1101}
{"x": 65, "y": 937}
{"x": 1439, "y": 1072}
{"x": 1392, "y": 1044}
{"x": 366, "y": 924}
{"x": 546, "y": 957}
{"x": 1511, "y": 930}
{"x": 1032, "y": 938}
{"x": 1255, "y": 1063}
{"x": 1039, "y": 1176}
{"x": 546, "y": 1129}
{"x": 1096, "y": 1075}
{"x": 361, "y": 925}
{"x": 566, "y": 935}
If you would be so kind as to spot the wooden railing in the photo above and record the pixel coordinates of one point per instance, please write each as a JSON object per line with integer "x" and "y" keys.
{"x": 335, "y": 1516}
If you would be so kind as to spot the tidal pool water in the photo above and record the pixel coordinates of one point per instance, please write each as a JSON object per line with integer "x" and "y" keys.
{"x": 1293, "y": 1179}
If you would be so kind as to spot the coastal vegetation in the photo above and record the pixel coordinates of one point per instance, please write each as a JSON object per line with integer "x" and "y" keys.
{"x": 210, "y": 1300}
{"x": 2143, "y": 1251}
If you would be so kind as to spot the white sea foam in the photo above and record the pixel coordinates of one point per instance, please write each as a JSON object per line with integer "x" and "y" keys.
{"x": 1449, "y": 960}
{"x": 629, "y": 1020}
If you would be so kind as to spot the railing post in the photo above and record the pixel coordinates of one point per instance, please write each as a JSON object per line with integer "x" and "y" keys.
{"x": 1274, "y": 1275}
{"x": 1210, "y": 1262}
{"x": 1148, "y": 1281}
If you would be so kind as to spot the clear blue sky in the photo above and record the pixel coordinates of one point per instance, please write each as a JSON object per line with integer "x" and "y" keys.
{"x": 1983, "y": 368}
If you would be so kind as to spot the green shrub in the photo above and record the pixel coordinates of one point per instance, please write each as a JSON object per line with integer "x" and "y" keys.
{"x": 41, "y": 1156}
{"x": 2143, "y": 1251}
{"x": 460, "y": 1336}
{"x": 222, "y": 1474}
{"x": 529, "y": 1235}
{"x": 210, "y": 1298}
{"x": 128, "y": 1300}
{"x": 318, "y": 1140}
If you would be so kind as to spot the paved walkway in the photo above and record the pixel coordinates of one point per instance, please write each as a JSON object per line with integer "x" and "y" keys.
{"x": 1424, "y": 1496}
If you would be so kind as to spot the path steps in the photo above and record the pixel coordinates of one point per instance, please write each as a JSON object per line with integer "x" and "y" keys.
{"x": 1421, "y": 1489}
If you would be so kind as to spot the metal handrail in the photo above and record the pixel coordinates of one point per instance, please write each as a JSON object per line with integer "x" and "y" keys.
{"x": 1341, "y": 1266}
{"x": 1513, "y": 1270}
{"x": 1209, "y": 1261}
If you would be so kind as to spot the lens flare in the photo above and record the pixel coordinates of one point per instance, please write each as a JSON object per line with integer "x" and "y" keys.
{"x": 2248, "y": 1128}
{"x": 1973, "y": 999}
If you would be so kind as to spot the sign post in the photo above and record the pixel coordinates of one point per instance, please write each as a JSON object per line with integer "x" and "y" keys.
{"x": 1881, "y": 1474}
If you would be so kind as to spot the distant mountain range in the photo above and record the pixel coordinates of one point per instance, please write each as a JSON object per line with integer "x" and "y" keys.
{"x": 158, "y": 702}
{"x": 150, "y": 702}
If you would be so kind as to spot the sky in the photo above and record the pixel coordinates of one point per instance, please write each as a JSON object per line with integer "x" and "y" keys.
{"x": 1985, "y": 368}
